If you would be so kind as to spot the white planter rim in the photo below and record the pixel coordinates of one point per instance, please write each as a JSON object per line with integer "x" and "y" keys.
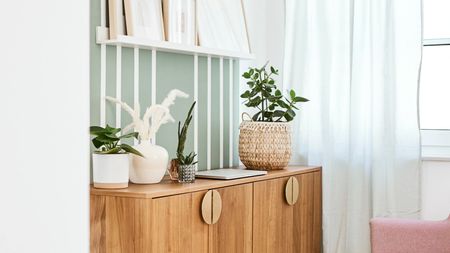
{"x": 96, "y": 153}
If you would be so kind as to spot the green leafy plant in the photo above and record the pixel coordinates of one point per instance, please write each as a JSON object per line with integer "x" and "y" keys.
{"x": 106, "y": 141}
{"x": 183, "y": 159}
{"x": 263, "y": 95}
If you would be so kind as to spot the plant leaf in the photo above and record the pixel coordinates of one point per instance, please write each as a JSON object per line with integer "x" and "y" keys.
{"x": 265, "y": 93}
{"x": 183, "y": 132}
{"x": 96, "y": 130}
{"x": 268, "y": 115}
{"x": 278, "y": 113}
{"x": 254, "y": 102}
{"x": 130, "y": 135}
{"x": 112, "y": 130}
{"x": 270, "y": 85}
{"x": 283, "y": 104}
{"x": 130, "y": 149}
{"x": 115, "y": 150}
{"x": 106, "y": 139}
{"x": 292, "y": 93}
{"x": 97, "y": 144}
{"x": 255, "y": 117}
{"x": 300, "y": 99}
{"x": 289, "y": 115}
{"x": 246, "y": 94}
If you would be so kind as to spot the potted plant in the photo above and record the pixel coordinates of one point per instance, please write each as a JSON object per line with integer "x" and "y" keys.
{"x": 151, "y": 168}
{"x": 265, "y": 139}
{"x": 183, "y": 168}
{"x": 111, "y": 159}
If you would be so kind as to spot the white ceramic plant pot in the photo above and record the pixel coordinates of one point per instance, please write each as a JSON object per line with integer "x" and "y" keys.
{"x": 151, "y": 169}
{"x": 110, "y": 171}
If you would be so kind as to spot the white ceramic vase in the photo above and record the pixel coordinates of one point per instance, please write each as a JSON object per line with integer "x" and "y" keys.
{"x": 151, "y": 169}
{"x": 110, "y": 170}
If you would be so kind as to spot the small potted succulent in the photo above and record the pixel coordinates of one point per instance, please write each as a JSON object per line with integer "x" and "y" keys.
{"x": 183, "y": 168}
{"x": 111, "y": 158}
{"x": 265, "y": 139}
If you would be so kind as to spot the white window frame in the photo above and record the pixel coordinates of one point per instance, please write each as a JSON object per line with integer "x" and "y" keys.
{"x": 435, "y": 142}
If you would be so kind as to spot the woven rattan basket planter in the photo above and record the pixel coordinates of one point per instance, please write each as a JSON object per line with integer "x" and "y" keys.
{"x": 265, "y": 145}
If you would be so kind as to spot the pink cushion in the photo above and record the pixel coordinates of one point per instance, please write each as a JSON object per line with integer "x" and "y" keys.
{"x": 410, "y": 236}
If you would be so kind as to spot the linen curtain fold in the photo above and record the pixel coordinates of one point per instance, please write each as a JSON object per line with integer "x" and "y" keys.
{"x": 358, "y": 62}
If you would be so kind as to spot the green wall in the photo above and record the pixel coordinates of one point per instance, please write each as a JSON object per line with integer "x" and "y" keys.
{"x": 173, "y": 71}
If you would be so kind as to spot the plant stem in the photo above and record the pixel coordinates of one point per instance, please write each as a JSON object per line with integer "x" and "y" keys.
{"x": 262, "y": 98}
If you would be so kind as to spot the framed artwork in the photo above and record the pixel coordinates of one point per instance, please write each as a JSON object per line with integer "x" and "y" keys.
{"x": 116, "y": 18}
{"x": 179, "y": 21}
{"x": 222, "y": 25}
{"x": 144, "y": 19}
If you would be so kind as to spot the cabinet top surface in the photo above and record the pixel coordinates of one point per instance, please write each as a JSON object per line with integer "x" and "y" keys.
{"x": 168, "y": 187}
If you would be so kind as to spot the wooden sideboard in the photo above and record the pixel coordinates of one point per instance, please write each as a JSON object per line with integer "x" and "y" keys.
{"x": 279, "y": 212}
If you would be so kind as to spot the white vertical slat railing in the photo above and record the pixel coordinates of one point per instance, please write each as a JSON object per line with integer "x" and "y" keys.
{"x": 103, "y": 68}
{"x": 136, "y": 82}
{"x": 208, "y": 137}
{"x": 197, "y": 105}
{"x": 118, "y": 85}
{"x": 231, "y": 137}
{"x": 221, "y": 112}
{"x": 153, "y": 93}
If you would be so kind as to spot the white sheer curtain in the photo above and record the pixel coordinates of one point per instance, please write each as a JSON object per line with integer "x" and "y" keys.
{"x": 358, "y": 62}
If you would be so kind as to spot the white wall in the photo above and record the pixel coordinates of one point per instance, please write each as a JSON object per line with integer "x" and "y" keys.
{"x": 265, "y": 24}
{"x": 44, "y": 110}
{"x": 265, "y": 27}
{"x": 435, "y": 190}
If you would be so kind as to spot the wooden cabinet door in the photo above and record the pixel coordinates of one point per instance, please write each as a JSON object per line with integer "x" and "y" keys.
{"x": 120, "y": 224}
{"x": 177, "y": 225}
{"x": 233, "y": 230}
{"x": 308, "y": 214}
{"x": 280, "y": 227}
{"x": 272, "y": 218}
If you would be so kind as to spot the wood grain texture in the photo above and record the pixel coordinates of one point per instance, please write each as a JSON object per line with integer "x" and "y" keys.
{"x": 177, "y": 224}
{"x": 127, "y": 230}
{"x": 272, "y": 217}
{"x": 304, "y": 215}
{"x": 233, "y": 231}
{"x": 143, "y": 225}
{"x": 97, "y": 227}
{"x": 168, "y": 187}
{"x": 119, "y": 224}
{"x": 207, "y": 208}
{"x": 292, "y": 191}
{"x": 216, "y": 206}
{"x": 295, "y": 190}
{"x": 317, "y": 223}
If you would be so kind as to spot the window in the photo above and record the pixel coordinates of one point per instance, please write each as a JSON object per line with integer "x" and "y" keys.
{"x": 435, "y": 78}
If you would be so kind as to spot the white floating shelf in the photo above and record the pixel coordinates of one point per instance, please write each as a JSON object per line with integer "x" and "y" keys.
{"x": 436, "y": 42}
{"x": 133, "y": 42}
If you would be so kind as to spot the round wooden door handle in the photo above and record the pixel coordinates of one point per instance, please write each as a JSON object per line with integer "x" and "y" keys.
{"x": 211, "y": 207}
{"x": 291, "y": 191}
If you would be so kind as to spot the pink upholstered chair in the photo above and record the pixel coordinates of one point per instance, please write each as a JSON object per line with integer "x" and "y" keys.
{"x": 410, "y": 236}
